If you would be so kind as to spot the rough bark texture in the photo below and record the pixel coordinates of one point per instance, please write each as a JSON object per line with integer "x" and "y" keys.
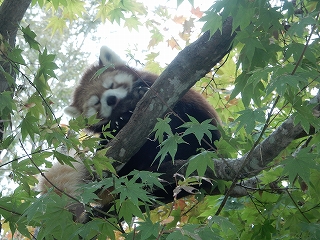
{"x": 189, "y": 66}
{"x": 260, "y": 157}
{"x": 11, "y": 13}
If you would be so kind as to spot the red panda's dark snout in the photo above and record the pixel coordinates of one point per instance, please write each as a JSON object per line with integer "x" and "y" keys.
{"x": 112, "y": 100}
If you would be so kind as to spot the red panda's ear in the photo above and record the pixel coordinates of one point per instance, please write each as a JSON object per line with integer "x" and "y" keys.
{"x": 107, "y": 57}
{"x": 72, "y": 111}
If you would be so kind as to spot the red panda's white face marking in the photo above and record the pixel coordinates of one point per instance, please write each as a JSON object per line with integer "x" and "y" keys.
{"x": 92, "y": 106}
{"x": 108, "y": 82}
{"x": 110, "y": 88}
{"x": 99, "y": 95}
{"x": 119, "y": 89}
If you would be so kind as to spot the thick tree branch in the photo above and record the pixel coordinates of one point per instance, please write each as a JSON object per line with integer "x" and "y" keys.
{"x": 189, "y": 66}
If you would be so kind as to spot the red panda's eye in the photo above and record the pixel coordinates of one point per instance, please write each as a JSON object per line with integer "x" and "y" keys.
{"x": 111, "y": 86}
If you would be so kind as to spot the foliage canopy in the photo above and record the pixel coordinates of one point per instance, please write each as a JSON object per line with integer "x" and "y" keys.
{"x": 270, "y": 76}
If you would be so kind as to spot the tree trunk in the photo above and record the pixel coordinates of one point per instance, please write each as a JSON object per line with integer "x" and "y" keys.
{"x": 11, "y": 13}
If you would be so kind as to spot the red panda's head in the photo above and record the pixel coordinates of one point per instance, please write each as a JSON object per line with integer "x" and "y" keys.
{"x": 99, "y": 93}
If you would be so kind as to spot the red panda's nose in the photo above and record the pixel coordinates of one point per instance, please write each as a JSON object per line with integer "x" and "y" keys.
{"x": 111, "y": 100}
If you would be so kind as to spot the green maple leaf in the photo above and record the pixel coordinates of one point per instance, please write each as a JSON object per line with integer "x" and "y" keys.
{"x": 282, "y": 82}
{"x": 56, "y": 24}
{"x": 249, "y": 117}
{"x": 169, "y": 146}
{"x": 213, "y": 22}
{"x": 300, "y": 165}
{"x": 149, "y": 230}
{"x": 148, "y": 178}
{"x": 30, "y": 36}
{"x": 29, "y": 126}
{"x": 115, "y": 15}
{"x": 132, "y": 23}
{"x": 162, "y": 128}
{"x": 200, "y": 163}
{"x": 129, "y": 210}
{"x": 198, "y": 129}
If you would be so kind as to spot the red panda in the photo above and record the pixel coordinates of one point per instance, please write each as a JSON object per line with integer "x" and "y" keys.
{"x": 112, "y": 96}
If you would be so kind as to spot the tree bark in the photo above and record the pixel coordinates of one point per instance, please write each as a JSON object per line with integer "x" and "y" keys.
{"x": 11, "y": 13}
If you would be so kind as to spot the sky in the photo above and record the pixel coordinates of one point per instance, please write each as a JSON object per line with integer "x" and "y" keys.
{"x": 120, "y": 39}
